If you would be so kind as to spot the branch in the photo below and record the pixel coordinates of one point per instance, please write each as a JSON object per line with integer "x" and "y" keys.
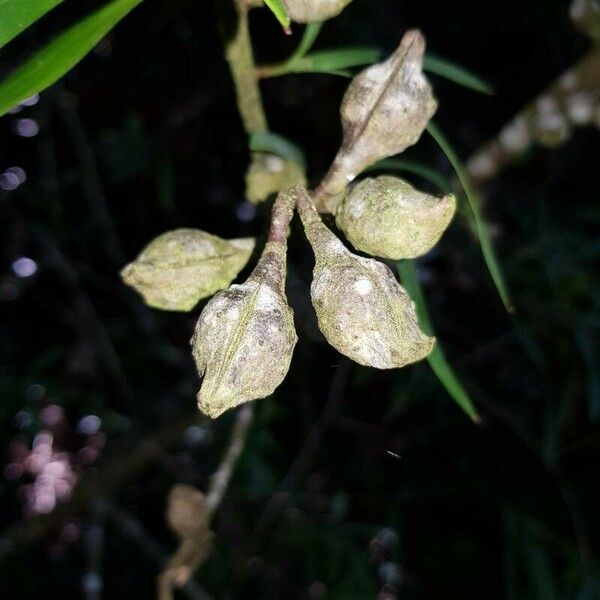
{"x": 239, "y": 56}
{"x": 190, "y": 513}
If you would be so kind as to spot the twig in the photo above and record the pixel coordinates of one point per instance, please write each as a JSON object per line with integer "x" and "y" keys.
{"x": 220, "y": 480}
{"x": 239, "y": 56}
{"x": 192, "y": 551}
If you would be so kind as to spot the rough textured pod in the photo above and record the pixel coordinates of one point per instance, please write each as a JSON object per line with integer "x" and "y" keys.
{"x": 362, "y": 310}
{"x": 384, "y": 111}
{"x": 181, "y": 267}
{"x": 306, "y": 11}
{"x": 387, "y": 217}
{"x": 245, "y": 336}
{"x": 269, "y": 174}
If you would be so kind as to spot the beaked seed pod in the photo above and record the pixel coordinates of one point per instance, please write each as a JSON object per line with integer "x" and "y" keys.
{"x": 387, "y": 217}
{"x": 307, "y": 11}
{"x": 269, "y": 174}
{"x": 181, "y": 267}
{"x": 245, "y": 337}
{"x": 384, "y": 111}
{"x": 362, "y": 310}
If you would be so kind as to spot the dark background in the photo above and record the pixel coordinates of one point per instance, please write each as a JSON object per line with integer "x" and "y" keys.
{"x": 399, "y": 495}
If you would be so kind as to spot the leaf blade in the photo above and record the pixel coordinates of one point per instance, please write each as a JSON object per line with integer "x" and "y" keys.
{"x": 436, "y": 359}
{"x": 456, "y": 73}
{"x": 58, "y": 57}
{"x": 18, "y": 15}
{"x": 278, "y": 9}
{"x": 483, "y": 234}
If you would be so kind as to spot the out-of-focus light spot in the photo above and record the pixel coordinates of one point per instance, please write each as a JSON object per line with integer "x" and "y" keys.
{"x": 245, "y": 212}
{"x": 89, "y": 425}
{"x": 13, "y": 471}
{"x": 91, "y": 584}
{"x": 23, "y": 419}
{"x": 52, "y": 415}
{"x": 35, "y": 392}
{"x": 96, "y": 440}
{"x": 43, "y": 438}
{"x": 12, "y": 178}
{"x": 87, "y": 455}
{"x": 197, "y": 436}
{"x": 9, "y": 181}
{"x": 15, "y": 109}
{"x": 44, "y": 502}
{"x": 19, "y": 172}
{"x": 26, "y": 127}
{"x": 31, "y": 100}
{"x": 24, "y": 267}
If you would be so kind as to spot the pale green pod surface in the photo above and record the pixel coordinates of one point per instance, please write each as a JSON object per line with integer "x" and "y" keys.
{"x": 384, "y": 111}
{"x": 307, "y": 11}
{"x": 386, "y": 216}
{"x": 245, "y": 337}
{"x": 362, "y": 310}
{"x": 181, "y": 267}
{"x": 269, "y": 174}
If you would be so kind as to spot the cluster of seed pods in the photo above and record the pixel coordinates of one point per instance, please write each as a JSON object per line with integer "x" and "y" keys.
{"x": 245, "y": 336}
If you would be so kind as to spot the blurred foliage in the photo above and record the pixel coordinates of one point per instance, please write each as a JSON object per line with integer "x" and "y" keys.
{"x": 354, "y": 483}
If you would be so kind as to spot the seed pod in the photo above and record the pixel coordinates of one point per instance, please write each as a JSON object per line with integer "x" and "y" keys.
{"x": 188, "y": 515}
{"x": 269, "y": 174}
{"x": 180, "y": 267}
{"x": 306, "y": 11}
{"x": 245, "y": 336}
{"x": 388, "y": 217}
{"x": 362, "y": 310}
{"x": 384, "y": 111}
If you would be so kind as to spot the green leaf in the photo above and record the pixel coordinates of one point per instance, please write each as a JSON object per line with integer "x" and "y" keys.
{"x": 333, "y": 61}
{"x": 273, "y": 143}
{"x": 278, "y": 9}
{"x": 336, "y": 61}
{"x": 50, "y": 63}
{"x": 18, "y": 15}
{"x": 481, "y": 229}
{"x": 311, "y": 32}
{"x": 456, "y": 73}
{"x": 436, "y": 359}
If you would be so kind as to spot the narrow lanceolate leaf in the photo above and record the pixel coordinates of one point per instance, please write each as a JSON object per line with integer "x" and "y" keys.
{"x": 456, "y": 74}
{"x": 333, "y": 61}
{"x": 361, "y": 309}
{"x": 245, "y": 336}
{"x": 281, "y": 14}
{"x": 437, "y": 360}
{"x": 181, "y": 267}
{"x": 481, "y": 229}
{"x": 311, "y": 32}
{"x": 55, "y": 59}
{"x": 392, "y": 96}
{"x": 18, "y": 15}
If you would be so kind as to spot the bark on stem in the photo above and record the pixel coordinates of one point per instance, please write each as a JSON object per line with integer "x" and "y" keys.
{"x": 239, "y": 56}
